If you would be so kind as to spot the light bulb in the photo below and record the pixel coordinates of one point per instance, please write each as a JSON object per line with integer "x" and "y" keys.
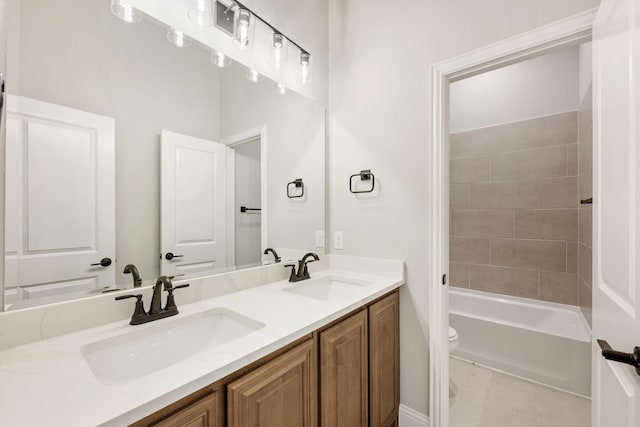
{"x": 243, "y": 29}
{"x": 202, "y": 13}
{"x": 281, "y": 89}
{"x": 123, "y": 10}
{"x": 305, "y": 68}
{"x": 220, "y": 59}
{"x": 178, "y": 38}
{"x": 253, "y": 76}
{"x": 278, "y": 51}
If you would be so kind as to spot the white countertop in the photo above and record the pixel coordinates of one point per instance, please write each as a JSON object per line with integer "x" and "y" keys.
{"x": 49, "y": 382}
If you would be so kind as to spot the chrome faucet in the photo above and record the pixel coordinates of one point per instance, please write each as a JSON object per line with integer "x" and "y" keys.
{"x": 133, "y": 270}
{"x": 155, "y": 310}
{"x": 275, "y": 254}
{"x": 303, "y": 271}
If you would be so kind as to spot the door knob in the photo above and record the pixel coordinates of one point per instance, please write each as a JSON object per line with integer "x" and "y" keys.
{"x": 104, "y": 262}
{"x": 169, "y": 256}
{"x": 632, "y": 359}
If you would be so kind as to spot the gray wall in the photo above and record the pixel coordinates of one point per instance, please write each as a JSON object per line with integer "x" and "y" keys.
{"x": 380, "y": 55}
{"x": 295, "y": 149}
{"x": 247, "y": 193}
{"x": 83, "y": 57}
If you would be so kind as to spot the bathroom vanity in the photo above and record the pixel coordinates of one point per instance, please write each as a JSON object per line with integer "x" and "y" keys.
{"x": 272, "y": 354}
{"x": 347, "y": 372}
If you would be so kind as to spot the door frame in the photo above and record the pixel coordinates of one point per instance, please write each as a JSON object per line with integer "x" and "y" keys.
{"x": 233, "y": 141}
{"x": 564, "y": 33}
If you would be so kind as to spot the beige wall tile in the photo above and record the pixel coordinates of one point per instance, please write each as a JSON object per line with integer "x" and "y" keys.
{"x": 559, "y": 192}
{"x": 489, "y": 140}
{"x": 586, "y": 184}
{"x": 572, "y": 257}
{"x": 559, "y": 287}
{"x": 545, "y": 131}
{"x": 482, "y": 223}
{"x": 585, "y": 149}
{"x": 463, "y": 171}
{"x": 584, "y": 263}
{"x": 469, "y": 250}
{"x": 459, "y": 274}
{"x": 534, "y": 254}
{"x": 501, "y": 280}
{"x": 572, "y": 159}
{"x": 586, "y": 225}
{"x": 540, "y": 163}
{"x": 459, "y": 196}
{"x": 557, "y": 224}
{"x": 504, "y": 195}
{"x": 586, "y": 300}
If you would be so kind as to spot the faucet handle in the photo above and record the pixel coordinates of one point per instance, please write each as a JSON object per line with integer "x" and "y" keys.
{"x": 171, "y": 303}
{"x": 121, "y": 297}
{"x": 138, "y": 312}
{"x": 293, "y": 271}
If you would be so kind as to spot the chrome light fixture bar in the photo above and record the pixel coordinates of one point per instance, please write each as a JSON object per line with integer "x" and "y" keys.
{"x": 245, "y": 17}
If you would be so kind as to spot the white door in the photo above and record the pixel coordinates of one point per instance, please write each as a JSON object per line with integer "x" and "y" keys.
{"x": 193, "y": 200}
{"x": 616, "y": 270}
{"x": 60, "y": 200}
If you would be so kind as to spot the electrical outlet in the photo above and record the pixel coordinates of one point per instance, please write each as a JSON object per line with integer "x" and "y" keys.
{"x": 319, "y": 239}
{"x": 338, "y": 240}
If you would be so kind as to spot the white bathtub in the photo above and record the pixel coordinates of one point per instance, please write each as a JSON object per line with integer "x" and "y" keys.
{"x": 542, "y": 341}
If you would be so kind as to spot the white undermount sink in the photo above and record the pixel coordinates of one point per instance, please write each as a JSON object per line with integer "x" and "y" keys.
{"x": 158, "y": 345}
{"x": 325, "y": 288}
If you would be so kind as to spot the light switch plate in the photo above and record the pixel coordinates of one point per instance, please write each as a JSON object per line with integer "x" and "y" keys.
{"x": 338, "y": 240}
{"x": 319, "y": 239}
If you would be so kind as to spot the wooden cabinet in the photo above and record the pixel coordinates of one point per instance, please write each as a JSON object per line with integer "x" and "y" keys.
{"x": 343, "y": 373}
{"x": 384, "y": 361}
{"x": 346, "y": 374}
{"x": 281, "y": 393}
{"x": 205, "y": 412}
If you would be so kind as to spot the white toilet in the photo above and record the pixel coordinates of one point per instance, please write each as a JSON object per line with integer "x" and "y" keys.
{"x": 453, "y": 339}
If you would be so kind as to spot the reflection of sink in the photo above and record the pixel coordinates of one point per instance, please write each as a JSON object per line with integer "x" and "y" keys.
{"x": 328, "y": 287}
{"x": 141, "y": 352}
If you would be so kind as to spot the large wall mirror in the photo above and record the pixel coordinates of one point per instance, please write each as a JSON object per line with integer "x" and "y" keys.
{"x": 124, "y": 149}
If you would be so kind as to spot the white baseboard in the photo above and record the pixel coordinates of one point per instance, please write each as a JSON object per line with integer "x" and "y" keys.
{"x": 408, "y": 417}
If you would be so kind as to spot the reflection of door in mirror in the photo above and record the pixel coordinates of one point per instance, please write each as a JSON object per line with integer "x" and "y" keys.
{"x": 60, "y": 216}
{"x": 193, "y": 198}
{"x": 247, "y": 193}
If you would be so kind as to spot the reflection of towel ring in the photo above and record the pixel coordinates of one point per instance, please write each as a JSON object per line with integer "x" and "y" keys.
{"x": 365, "y": 175}
{"x": 297, "y": 184}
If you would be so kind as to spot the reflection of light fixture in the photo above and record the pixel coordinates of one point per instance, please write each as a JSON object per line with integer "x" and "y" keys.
{"x": 178, "y": 38}
{"x": 253, "y": 76}
{"x": 123, "y": 10}
{"x": 243, "y": 29}
{"x": 281, "y": 89}
{"x": 202, "y": 13}
{"x": 278, "y": 51}
{"x": 220, "y": 59}
{"x": 305, "y": 68}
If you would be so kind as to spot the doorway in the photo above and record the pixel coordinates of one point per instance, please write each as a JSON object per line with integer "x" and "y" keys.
{"x": 563, "y": 34}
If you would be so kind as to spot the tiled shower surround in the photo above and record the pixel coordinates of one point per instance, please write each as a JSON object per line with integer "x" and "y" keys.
{"x": 515, "y": 207}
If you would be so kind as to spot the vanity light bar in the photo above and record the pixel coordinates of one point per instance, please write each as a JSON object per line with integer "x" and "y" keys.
{"x": 259, "y": 18}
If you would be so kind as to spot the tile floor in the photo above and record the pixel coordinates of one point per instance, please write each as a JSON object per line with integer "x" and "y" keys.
{"x": 487, "y": 398}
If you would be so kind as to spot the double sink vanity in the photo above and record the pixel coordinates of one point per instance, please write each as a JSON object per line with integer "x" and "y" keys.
{"x": 247, "y": 348}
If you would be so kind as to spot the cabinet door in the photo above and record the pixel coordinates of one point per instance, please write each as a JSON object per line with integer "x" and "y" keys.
{"x": 281, "y": 393}
{"x": 343, "y": 373}
{"x": 384, "y": 359}
{"x": 206, "y": 412}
